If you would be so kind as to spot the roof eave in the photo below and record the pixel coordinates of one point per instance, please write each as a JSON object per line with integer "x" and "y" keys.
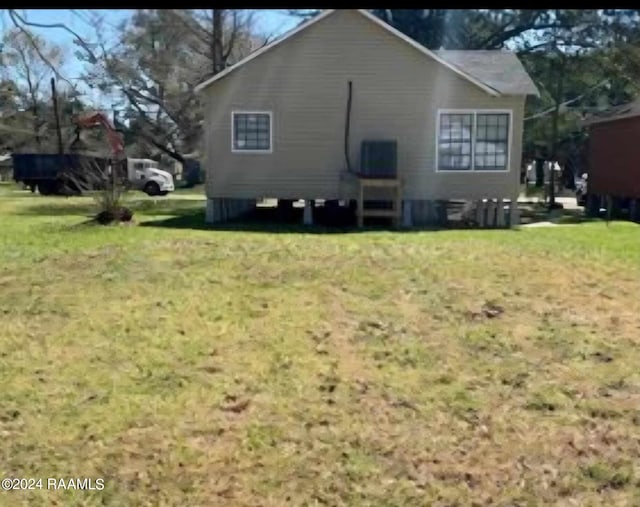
{"x": 597, "y": 121}
{"x": 535, "y": 93}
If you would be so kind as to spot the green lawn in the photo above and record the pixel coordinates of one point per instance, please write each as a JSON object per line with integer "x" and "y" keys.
{"x": 187, "y": 366}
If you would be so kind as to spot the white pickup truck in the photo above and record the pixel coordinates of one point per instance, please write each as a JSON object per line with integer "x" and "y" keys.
{"x": 143, "y": 174}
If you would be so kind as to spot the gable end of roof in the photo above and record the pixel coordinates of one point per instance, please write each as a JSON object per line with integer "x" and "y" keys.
{"x": 303, "y": 26}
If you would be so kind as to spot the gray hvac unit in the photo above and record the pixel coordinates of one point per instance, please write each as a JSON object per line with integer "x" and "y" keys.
{"x": 378, "y": 159}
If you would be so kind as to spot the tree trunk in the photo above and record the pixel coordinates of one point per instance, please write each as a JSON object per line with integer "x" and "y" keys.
{"x": 216, "y": 41}
{"x": 34, "y": 112}
{"x": 554, "y": 142}
{"x": 54, "y": 97}
{"x": 554, "y": 134}
{"x": 539, "y": 172}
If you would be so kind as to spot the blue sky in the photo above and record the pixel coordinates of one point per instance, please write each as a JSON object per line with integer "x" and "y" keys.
{"x": 268, "y": 21}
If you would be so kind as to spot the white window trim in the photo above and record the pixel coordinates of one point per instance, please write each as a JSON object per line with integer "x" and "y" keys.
{"x": 233, "y": 132}
{"x": 475, "y": 113}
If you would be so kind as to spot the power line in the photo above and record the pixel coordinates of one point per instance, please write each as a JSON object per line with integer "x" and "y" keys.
{"x": 565, "y": 104}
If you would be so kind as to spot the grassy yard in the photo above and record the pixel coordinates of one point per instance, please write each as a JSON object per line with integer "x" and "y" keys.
{"x": 199, "y": 367}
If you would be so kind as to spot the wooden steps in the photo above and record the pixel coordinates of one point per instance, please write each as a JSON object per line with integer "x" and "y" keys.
{"x": 393, "y": 185}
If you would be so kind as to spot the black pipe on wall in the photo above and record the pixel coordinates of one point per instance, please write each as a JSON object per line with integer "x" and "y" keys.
{"x": 347, "y": 128}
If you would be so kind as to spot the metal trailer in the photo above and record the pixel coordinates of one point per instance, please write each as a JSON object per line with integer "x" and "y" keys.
{"x": 55, "y": 174}
{"x": 614, "y": 165}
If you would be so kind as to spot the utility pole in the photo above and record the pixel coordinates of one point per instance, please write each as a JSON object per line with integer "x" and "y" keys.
{"x": 54, "y": 97}
{"x": 558, "y": 65}
{"x": 552, "y": 151}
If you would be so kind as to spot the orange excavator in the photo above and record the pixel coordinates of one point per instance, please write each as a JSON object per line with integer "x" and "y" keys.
{"x": 93, "y": 120}
{"x": 119, "y": 160}
{"x": 141, "y": 174}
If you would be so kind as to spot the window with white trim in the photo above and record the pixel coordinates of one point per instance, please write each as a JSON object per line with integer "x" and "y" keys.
{"x": 473, "y": 141}
{"x": 251, "y": 131}
{"x": 454, "y": 141}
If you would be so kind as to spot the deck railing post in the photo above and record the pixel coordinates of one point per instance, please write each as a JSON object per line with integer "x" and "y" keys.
{"x": 307, "y": 216}
{"x": 514, "y": 213}
{"x": 500, "y": 213}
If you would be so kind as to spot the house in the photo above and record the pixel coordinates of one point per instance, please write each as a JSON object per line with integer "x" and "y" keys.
{"x": 613, "y": 156}
{"x": 289, "y": 120}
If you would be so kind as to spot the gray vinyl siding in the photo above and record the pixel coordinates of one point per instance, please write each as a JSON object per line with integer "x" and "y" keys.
{"x": 397, "y": 91}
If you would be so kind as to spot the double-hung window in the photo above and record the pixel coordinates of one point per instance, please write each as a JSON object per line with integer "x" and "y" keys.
{"x": 454, "y": 141}
{"x": 473, "y": 140}
{"x": 251, "y": 131}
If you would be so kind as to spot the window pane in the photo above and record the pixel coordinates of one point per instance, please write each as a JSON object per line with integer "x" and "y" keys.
{"x": 491, "y": 141}
{"x": 251, "y": 131}
{"x": 492, "y": 133}
{"x": 454, "y": 143}
{"x": 496, "y": 159}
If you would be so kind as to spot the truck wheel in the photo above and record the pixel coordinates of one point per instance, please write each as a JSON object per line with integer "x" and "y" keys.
{"x": 44, "y": 187}
{"x": 152, "y": 188}
{"x": 59, "y": 188}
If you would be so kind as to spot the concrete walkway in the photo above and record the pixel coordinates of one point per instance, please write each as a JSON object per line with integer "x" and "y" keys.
{"x": 567, "y": 202}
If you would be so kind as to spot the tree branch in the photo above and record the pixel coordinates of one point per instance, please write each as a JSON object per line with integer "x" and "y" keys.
{"x": 232, "y": 38}
{"x": 499, "y": 37}
{"x": 79, "y": 40}
{"x": 14, "y": 17}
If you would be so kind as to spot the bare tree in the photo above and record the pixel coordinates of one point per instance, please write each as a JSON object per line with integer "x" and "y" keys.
{"x": 161, "y": 55}
{"x": 24, "y": 65}
{"x": 220, "y": 36}
{"x": 105, "y": 180}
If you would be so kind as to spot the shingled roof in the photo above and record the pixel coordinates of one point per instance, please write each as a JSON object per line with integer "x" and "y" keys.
{"x": 501, "y": 70}
{"x": 628, "y": 110}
